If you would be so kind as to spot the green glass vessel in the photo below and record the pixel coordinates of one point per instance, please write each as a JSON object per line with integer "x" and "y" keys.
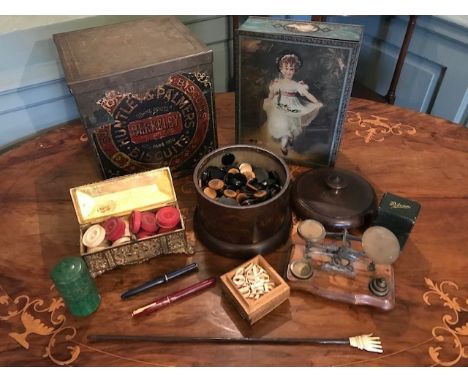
{"x": 74, "y": 283}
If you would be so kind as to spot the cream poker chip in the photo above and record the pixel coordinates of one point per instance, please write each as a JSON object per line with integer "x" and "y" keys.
{"x": 94, "y": 236}
{"x": 122, "y": 240}
{"x": 127, "y": 228}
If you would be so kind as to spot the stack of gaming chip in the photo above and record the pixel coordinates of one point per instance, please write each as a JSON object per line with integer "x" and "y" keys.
{"x": 94, "y": 238}
{"x": 235, "y": 184}
{"x": 120, "y": 230}
{"x": 143, "y": 224}
{"x": 168, "y": 218}
{"x": 114, "y": 231}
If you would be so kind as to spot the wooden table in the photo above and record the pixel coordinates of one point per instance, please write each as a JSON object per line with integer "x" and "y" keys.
{"x": 414, "y": 155}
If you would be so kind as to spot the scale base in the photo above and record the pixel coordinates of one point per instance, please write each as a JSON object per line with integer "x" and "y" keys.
{"x": 352, "y": 289}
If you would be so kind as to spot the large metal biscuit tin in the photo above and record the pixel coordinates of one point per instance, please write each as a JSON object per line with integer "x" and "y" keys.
{"x": 144, "y": 91}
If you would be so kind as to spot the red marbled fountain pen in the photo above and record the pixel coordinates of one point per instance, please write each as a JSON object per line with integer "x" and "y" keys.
{"x": 169, "y": 299}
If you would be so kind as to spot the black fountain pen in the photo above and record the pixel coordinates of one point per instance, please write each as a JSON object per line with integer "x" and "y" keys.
{"x": 160, "y": 280}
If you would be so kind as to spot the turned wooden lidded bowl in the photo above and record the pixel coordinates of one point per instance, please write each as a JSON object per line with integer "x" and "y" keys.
{"x": 339, "y": 199}
{"x": 243, "y": 231}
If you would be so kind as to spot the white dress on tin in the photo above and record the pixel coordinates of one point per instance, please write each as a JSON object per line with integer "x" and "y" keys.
{"x": 286, "y": 114}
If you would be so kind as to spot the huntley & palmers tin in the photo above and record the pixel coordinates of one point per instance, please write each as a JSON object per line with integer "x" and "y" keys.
{"x": 144, "y": 91}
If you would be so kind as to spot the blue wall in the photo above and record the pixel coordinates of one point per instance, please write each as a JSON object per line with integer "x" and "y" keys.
{"x": 34, "y": 95}
{"x": 434, "y": 78}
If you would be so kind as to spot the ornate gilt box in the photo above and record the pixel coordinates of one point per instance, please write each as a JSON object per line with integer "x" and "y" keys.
{"x": 118, "y": 197}
{"x": 144, "y": 90}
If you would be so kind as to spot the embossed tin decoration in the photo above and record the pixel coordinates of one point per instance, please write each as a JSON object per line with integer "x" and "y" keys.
{"x": 145, "y": 94}
{"x": 118, "y": 197}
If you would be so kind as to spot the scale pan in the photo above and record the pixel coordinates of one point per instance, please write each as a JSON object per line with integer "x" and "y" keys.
{"x": 381, "y": 245}
{"x": 311, "y": 230}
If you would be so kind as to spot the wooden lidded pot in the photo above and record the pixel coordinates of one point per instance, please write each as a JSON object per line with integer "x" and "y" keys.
{"x": 243, "y": 231}
{"x": 339, "y": 199}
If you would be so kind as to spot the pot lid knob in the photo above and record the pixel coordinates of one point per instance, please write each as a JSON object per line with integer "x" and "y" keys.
{"x": 336, "y": 182}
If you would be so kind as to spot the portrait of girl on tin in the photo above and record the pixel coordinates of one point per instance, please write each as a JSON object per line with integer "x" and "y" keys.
{"x": 289, "y": 106}
{"x": 291, "y": 98}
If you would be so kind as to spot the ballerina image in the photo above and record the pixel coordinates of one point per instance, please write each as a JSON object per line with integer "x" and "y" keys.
{"x": 287, "y": 113}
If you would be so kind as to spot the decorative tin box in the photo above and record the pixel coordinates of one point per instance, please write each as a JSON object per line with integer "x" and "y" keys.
{"x": 294, "y": 81}
{"x": 398, "y": 215}
{"x": 119, "y": 197}
{"x": 144, "y": 91}
{"x": 253, "y": 309}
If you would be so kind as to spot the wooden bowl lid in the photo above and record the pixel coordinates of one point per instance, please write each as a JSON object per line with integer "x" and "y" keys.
{"x": 336, "y": 198}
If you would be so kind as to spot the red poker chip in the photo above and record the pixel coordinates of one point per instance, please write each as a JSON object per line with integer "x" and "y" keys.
{"x": 135, "y": 221}
{"x": 148, "y": 222}
{"x": 115, "y": 228}
{"x": 164, "y": 230}
{"x": 168, "y": 217}
{"x": 144, "y": 234}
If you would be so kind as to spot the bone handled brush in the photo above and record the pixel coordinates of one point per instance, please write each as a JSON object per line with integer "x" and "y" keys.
{"x": 366, "y": 342}
{"x": 362, "y": 342}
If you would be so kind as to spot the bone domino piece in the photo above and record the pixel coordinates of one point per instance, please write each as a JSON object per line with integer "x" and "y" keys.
{"x": 239, "y": 280}
{"x": 252, "y": 282}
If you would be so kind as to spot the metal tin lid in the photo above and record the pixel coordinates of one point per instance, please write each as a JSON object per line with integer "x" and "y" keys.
{"x": 120, "y": 196}
{"x": 336, "y": 198}
{"x": 144, "y": 48}
{"x": 346, "y": 32}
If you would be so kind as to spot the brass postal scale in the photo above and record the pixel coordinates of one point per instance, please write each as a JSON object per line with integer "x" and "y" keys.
{"x": 327, "y": 257}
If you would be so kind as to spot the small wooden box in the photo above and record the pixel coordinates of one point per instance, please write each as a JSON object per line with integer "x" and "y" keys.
{"x": 253, "y": 310}
{"x": 118, "y": 197}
